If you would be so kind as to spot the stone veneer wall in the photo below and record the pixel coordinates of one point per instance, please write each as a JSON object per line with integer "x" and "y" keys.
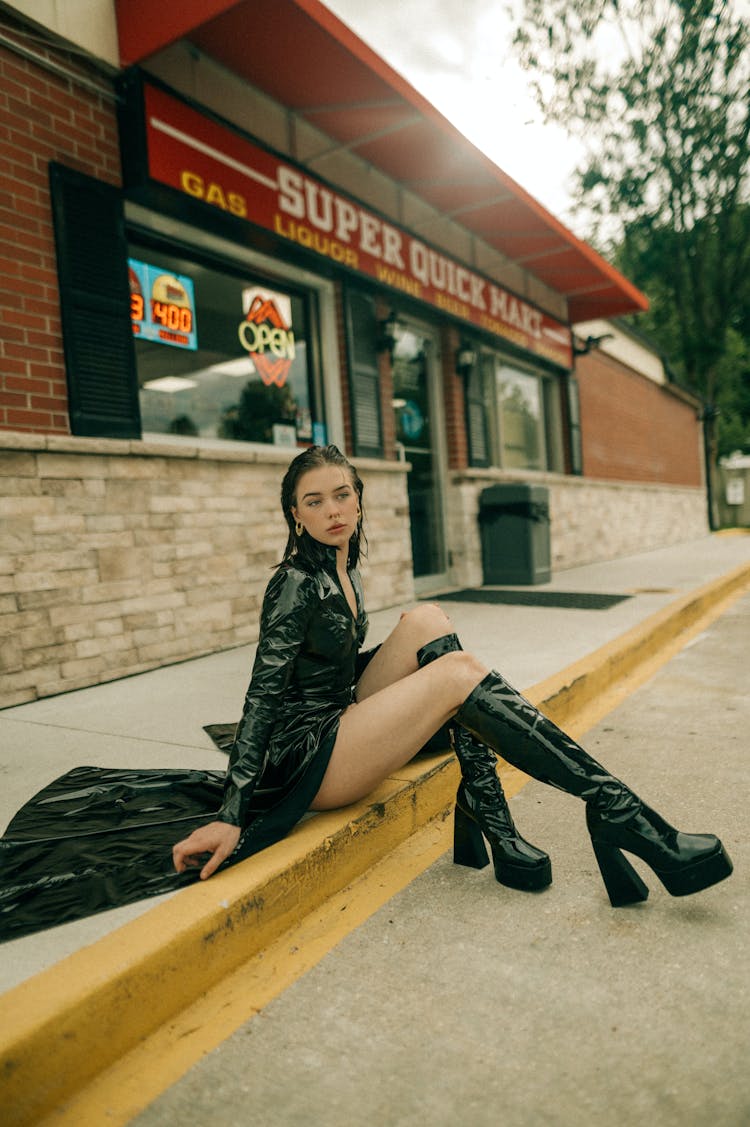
{"x": 590, "y": 519}
{"x": 117, "y": 557}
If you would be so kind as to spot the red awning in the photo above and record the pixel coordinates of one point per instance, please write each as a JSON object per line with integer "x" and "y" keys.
{"x": 304, "y": 57}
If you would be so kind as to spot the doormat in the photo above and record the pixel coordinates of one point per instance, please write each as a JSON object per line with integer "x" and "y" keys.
{"x": 570, "y": 600}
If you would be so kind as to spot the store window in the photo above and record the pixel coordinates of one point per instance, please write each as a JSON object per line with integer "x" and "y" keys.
{"x": 222, "y": 355}
{"x": 514, "y": 416}
{"x": 519, "y": 405}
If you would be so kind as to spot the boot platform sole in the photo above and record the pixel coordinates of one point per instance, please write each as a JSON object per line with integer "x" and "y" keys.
{"x": 524, "y": 879}
{"x": 700, "y": 874}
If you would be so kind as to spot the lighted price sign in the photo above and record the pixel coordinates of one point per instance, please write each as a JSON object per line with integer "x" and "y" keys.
{"x": 162, "y": 305}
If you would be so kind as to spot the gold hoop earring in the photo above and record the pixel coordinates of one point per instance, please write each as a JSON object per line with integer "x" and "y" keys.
{"x": 298, "y": 527}
{"x": 359, "y": 513}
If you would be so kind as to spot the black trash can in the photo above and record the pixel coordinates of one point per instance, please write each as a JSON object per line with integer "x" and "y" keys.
{"x": 514, "y": 526}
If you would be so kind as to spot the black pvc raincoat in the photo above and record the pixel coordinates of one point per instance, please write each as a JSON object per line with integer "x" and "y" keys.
{"x": 96, "y": 839}
{"x": 303, "y": 679}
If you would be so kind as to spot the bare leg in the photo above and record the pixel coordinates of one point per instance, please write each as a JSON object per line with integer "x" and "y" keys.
{"x": 397, "y": 657}
{"x": 398, "y": 708}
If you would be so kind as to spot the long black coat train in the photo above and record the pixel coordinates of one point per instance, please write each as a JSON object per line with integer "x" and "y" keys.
{"x": 96, "y": 839}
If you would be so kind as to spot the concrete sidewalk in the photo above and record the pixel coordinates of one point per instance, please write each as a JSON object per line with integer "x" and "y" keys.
{"x": 156, "y": 719}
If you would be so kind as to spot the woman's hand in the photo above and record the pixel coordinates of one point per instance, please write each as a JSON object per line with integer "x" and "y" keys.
{"x": 217, "y": 838}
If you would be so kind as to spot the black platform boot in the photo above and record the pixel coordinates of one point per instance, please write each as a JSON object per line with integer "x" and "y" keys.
{"x": 617, "y": 819}
{"x": 482, "y": 809}
{"x": 482, "y": 812}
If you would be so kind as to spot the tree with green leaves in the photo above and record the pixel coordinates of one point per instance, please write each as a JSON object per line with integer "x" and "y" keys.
{"x": 659, "y": 93}
{"x": 646, "y": 254}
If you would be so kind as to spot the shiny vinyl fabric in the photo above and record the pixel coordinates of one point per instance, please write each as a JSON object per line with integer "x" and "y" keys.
{"x": 96, "y": 839}
{"x": 303, "y": 678}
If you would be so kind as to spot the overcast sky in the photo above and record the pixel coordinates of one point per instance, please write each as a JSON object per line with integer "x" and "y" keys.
{"x": 457, "y": 53}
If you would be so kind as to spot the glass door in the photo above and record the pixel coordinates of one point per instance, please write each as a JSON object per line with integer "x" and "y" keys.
{"x": 418, "y": 435}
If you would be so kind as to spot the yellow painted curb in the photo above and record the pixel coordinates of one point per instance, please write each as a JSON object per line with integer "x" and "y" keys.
{"x": 69, "y": 1023}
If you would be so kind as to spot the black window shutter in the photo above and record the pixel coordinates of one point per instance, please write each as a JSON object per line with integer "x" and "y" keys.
{"x": 364, "y": 378}
{"x": 95, "y": 305}
{"x": 476, "y": 418}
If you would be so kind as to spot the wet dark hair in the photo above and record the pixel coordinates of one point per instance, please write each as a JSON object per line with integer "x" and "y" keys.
{"x": 304, "y": 549}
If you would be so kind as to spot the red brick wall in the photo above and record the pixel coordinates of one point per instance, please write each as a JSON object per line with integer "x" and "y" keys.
{"x": 634, "y": 429}
{"x": 43, "y": 117}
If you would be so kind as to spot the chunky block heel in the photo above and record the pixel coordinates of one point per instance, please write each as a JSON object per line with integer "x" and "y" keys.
{"x": 468, "y": 844}
{"x": 621, "y": 881}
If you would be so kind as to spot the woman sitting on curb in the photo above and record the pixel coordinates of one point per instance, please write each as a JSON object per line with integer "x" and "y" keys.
{"x": 323, "y": 724}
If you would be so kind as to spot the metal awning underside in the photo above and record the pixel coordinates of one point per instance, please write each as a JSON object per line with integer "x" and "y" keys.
{"x": 304, "y": 57}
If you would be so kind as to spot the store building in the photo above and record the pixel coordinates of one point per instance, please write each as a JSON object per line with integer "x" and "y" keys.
{"x": 309, "y": 253}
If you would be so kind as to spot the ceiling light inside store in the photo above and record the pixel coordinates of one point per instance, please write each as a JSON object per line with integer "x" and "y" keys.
{"x": 243, "y": 366}
{"x": 169, "y": 384}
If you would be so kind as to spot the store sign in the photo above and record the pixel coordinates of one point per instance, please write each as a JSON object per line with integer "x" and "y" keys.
{"x": 266, "y": 333}
{"x": 162, "y": 305}
{"x": 212, "y": 163}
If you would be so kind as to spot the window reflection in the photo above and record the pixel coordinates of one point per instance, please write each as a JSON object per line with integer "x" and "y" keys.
{"x": 519, "y": 404}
